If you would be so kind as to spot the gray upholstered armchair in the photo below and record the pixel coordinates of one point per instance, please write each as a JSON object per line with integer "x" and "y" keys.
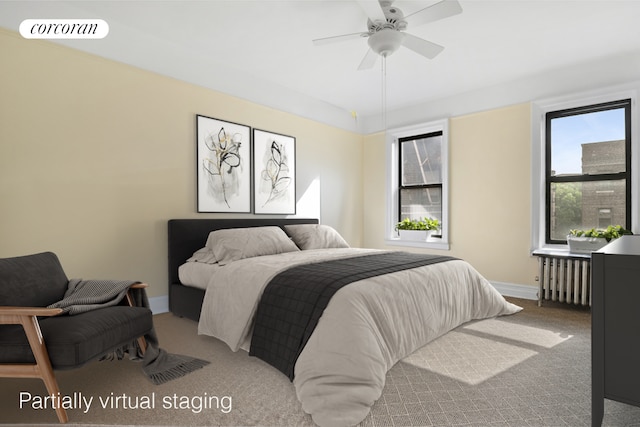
{"x": 35, "y": 340}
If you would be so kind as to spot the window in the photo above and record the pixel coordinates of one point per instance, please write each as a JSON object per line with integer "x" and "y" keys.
{"x": 420, "y": 177}
{"x": 417, "y": 164}
{"x": 585, "y": 164}
{"x": 588, "y": 168}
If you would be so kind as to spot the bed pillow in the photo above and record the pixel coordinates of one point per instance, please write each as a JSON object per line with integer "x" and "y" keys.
{"x": 232, "y": 244}
{"x": 204, "y": 255}
{"x": 315, "y": 236}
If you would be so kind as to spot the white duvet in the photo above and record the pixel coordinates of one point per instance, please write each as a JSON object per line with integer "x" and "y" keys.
{"x": 367, "y": 327}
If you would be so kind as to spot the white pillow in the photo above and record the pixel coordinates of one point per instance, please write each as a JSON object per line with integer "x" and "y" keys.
{"x": 232, "y": 244}
{"x": 315, "y": 236}
{"x": 204, "y": 256}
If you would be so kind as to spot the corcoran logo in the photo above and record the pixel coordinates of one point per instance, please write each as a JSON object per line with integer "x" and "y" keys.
{"x": 64, "y": 29}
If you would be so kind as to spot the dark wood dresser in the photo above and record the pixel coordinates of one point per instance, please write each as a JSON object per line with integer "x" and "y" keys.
{"x": 615, "y": 324}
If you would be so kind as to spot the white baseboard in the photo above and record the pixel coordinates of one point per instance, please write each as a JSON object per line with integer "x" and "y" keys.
{"x": 159, "y": 304}
{"x": 516, "y": 291}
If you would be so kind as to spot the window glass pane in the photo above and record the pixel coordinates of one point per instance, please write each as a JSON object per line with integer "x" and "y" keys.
{"x": 586, "y": 205}
{"x": 588, "y": 143}
{"x": 417, "y": 203}
{"x": 421, "y": 159}
{"x": 604, "y": 217}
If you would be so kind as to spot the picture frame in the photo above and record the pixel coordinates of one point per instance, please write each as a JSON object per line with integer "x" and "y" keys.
{"x": 274, "y": 173}
{"x": 223, "y": 166}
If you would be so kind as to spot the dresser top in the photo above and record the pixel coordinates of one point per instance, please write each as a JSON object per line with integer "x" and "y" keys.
{"x": 625, "y": 245}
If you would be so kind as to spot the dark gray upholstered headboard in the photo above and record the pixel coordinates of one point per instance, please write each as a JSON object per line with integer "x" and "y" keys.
{"x": 187, "y": 236}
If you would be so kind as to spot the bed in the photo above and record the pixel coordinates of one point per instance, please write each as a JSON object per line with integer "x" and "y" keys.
{"x": 268, "y": 286}
{"x": 186, "y": 236}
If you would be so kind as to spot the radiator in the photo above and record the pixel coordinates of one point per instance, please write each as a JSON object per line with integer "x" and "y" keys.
{"x": 565, "y": 279}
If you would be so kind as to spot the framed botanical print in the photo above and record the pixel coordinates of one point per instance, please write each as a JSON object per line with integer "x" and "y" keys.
{"x": 223, "y": 165}
{"x": 274, "y": 173}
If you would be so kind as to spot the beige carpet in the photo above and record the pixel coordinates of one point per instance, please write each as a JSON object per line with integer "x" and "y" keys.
{"x": 529, "y": 369}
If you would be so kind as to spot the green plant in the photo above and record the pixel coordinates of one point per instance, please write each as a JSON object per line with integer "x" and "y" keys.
{"x": 418, "y": 224}
{"x": 611, "y": 232}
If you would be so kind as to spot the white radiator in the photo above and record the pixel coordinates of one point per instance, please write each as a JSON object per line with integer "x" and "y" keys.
{"x": 565, "y": 280}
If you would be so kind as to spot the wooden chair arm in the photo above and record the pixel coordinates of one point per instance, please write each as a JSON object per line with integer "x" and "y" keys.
{"x": 29, "y": 311}
{"x": 138, "y": 286}
{"x": 8, "y": 314}
{"x": 129, "y": 296}
{"x": 28, "y": 318}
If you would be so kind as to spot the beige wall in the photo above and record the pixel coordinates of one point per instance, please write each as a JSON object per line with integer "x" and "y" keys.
{"x": 490, "y": 196}
{"x": 96, "y": 156}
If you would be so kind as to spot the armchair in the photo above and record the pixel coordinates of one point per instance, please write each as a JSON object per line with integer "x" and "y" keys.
{"x": 35, "y": 340}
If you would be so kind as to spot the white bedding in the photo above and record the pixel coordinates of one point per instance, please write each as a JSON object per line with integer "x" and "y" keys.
{"x": 196, "y": 274}
{"x": 367, "y": 327}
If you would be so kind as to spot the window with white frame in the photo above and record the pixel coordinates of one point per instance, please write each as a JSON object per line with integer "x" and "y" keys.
{"x": 417, "y": 179}
{"x": 585, "y": 167}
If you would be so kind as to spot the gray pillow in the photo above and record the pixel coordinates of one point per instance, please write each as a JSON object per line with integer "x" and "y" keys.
{"x": 233, "y": 244}
{"x": 315, "y": 236}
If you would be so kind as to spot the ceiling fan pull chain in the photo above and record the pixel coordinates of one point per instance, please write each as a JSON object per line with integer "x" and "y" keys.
{"x": 384, "y": 92}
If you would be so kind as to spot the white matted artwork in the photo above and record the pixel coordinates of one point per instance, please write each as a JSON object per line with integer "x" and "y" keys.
{"x": 224, "y": 165}
{"x": 274, "y": 173}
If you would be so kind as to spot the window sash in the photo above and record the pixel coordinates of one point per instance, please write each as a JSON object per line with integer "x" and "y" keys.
{"x": 430, "y": 210}
{"x": 594, "y": 197}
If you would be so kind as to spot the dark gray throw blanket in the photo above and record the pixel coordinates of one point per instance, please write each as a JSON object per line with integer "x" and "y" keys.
{"x": 294, "y": 300}
{"x": 159, "y": 366}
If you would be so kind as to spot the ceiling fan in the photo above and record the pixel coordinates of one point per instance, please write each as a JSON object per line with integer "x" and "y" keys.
{"x": 386, "y": 26}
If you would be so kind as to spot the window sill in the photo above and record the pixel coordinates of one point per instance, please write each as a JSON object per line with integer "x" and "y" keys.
{"x": 430, "y": 244}
{"x": 559, "y": 251}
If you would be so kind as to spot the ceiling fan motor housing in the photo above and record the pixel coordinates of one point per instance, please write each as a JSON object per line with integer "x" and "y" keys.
{"x": 385, "y": 37}
{"x": 395, "y": 19}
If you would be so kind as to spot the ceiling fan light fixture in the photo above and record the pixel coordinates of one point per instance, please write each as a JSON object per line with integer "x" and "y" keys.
{"x": 385, "y": 41}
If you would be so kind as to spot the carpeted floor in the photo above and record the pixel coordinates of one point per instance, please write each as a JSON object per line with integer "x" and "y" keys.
{"x": 529, "y": 369}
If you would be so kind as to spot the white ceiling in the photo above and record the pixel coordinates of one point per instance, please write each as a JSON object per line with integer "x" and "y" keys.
{"x": 262, "y": 50}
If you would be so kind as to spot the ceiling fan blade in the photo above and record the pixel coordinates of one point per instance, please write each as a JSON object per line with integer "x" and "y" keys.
{"x": 335, "y": 39}
{"x": 373, "y": 10}
{"x": 422, "y": 47}
{"x": 435, "y": 12}
{"x": 368, "y": 61}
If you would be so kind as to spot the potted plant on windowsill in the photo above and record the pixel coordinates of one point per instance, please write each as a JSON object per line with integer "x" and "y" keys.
{"x": 417, "y": 229}
{"x": 587, "y": 241}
